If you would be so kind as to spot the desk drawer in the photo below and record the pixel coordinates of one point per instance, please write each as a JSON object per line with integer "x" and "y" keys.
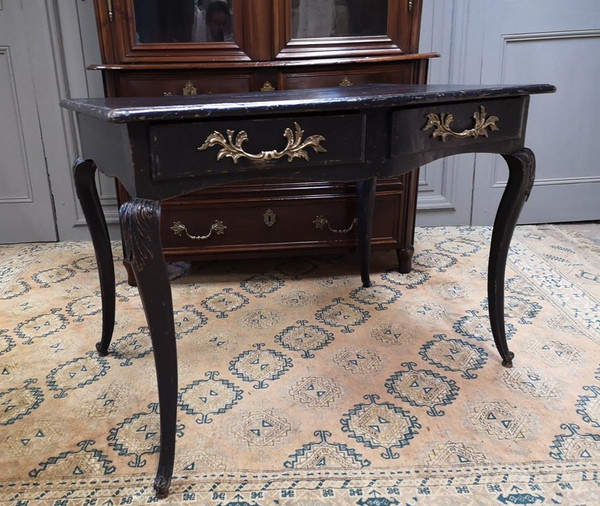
{"x": 457, "y": 127}
{"x": 182, "y": 150}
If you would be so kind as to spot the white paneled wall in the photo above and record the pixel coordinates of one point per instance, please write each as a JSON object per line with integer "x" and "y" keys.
{"x": 487, "y": 41}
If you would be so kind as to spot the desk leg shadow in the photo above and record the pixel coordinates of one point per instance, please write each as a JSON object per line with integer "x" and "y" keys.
{"x": 521, "y": 166}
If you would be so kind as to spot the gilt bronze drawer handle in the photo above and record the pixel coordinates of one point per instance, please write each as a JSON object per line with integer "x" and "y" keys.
{"x": 441, "y": 125}
{"x": 296, "y": 148}
{"x": 321, "y": 222}
{"x": 267, "y": 86}
{"x": 188, "y": 90}
{"x": 218, "y": 227}
{"x": 346, "y": 82}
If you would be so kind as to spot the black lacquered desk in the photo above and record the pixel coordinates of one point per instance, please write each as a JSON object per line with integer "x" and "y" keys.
{"x": 163, "y": 147}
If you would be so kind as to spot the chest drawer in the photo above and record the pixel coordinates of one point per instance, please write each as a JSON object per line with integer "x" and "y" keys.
{"x": 205, "y": 227}
{"x": 144, "y": 84}
{"x": 400, "y": 73}
{"x": 213, "y": 147}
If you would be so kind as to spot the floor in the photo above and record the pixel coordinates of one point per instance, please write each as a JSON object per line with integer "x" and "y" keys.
{"x": 588, "y": 229}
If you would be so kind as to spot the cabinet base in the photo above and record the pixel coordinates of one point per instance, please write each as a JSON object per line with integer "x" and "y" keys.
{"x": 404, "y": 259}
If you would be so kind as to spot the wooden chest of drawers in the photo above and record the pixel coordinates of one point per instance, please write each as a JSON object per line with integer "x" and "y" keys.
{"x": 263, "y": 53}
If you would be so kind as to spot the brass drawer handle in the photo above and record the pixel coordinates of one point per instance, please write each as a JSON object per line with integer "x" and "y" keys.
{"x": 441, "y": 125}
{"x": 295, "y": 148}
{"x": 188, "y": 90}
{"x": 267, "y": 86}
{"x": 346, "y": 82}
{"x": 321, "y": 222}
{"x": 218, "y": 227}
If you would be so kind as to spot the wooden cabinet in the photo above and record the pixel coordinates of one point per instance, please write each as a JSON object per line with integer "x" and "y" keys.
{"x": 188, "y": 47}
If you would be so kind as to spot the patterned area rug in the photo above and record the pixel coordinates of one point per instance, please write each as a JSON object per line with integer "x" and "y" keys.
{"x": 297, "y": 386}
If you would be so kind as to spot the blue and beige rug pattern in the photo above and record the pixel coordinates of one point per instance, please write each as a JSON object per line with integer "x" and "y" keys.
{"x": 298, "y": 386}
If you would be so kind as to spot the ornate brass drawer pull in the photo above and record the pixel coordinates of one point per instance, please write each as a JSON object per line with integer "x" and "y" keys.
{"x": 267, "y": 86}
{"x": 321, "y": 222}
{"x": 296, "y": 148}
{"x": 441, "y": 125}
{"x": 218, "y": 227}
{"x": 188, "y": 90}
{"x": 346, "y": 82}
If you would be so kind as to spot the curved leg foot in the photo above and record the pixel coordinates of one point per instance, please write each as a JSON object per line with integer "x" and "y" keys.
{"x": 161, "y": 486}
{"x": 507, "y": 362}
{"x": 101, "y": 349}
{"x": 365, "y": 193}
{"x": 141, "y": 233}
{"x": 521, "y": 166}
{"x": 85, "y": 185}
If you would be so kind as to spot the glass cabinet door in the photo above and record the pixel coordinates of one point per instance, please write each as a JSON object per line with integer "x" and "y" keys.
{"x": 175, "y": 30}
{"x": 331, "y": 18}
{"x": 310, "y": 28}
{"x": 182, "y": 21}
{"x": 180, "y": 31}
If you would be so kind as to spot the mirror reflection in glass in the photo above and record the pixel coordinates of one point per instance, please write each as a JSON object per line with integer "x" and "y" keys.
{"x": 159, "y": 21}
{"x": 338, "y": 18}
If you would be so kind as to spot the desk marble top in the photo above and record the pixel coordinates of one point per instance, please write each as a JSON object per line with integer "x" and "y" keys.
{"x": 140, "y": 109}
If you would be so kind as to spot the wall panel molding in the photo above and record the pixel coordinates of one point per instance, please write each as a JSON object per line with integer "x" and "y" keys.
{"x": 74, "y": 40}
{"x": 556, "y": 35}
{"x": 445, "y": 185}
{"x": 544, "y": 41}
{"x": 553, "y": 38}
{"x": 16, "y": 188}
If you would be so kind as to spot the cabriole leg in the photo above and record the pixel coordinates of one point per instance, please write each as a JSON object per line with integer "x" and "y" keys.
{"x": 85, "y": 185}
{"x": 140, "y": 221}
{"x": 521, "y": 166}
{"x": 365, "y": 193}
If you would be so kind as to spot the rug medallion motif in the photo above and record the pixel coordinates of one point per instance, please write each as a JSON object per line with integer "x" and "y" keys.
{"x": 297, "y": 386}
